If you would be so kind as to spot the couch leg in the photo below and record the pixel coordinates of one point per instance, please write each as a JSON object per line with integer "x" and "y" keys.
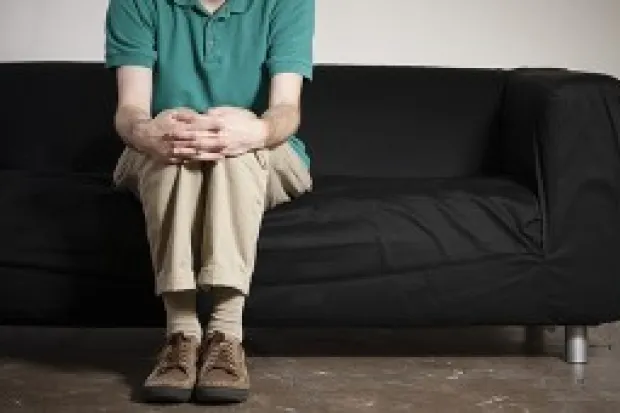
{"x": 576, "y": 344}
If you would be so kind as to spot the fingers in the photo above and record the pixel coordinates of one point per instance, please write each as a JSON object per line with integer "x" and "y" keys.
{"x": 200, "y": 122}
{"x": 185, "y": 116}
{"x": 184, "y": 152}
{"x": 179, "y": 136}
{"x": 230, "y": 110}
{"x": 188, "y": 136}
{"x": 176, "y": 122}
{"x": 189, "y": 142}
{"x": 171, "y": 115}
{"x": 209, "y": 143}
{"x": 197, "y": 145}
{"x": 208, "y": 156}
{"x": 193, "y": 154}
{"x": 180, "y": 112}
{"x": 179, "y": 156}
{"x": 208, "y": 123}
{"x": 170, "y": 127}
{"x": 187, "y": 133}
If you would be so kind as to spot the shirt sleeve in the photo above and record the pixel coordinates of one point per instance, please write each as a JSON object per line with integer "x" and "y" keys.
{"x": 130, "y": 34}
{"x": 290, "y": 46}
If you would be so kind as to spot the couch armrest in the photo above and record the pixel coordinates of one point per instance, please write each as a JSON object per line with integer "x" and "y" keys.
{"x": 560, "y": 136}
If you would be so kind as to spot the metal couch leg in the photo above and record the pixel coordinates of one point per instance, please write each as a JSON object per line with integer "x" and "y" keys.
{"x": 576, "y": 344}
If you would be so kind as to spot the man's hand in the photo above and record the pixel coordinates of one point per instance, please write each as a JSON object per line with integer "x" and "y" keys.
{"x": 169, "y": 138}
{"x": 241, "y": 130}
{"x": 234, "y": 131}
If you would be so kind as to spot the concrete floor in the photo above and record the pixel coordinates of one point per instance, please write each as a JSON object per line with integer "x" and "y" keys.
{"x": 455, "y": 370}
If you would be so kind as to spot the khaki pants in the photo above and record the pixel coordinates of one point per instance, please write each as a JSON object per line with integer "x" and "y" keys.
{"x": 203, "y": 218}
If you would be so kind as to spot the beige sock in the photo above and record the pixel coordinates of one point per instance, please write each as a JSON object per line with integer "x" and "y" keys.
{"x": 227, "y": 316}
{"x": 181, "y": 314}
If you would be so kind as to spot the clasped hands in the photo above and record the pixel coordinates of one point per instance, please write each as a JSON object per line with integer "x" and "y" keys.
{"x": 181, "y": 135}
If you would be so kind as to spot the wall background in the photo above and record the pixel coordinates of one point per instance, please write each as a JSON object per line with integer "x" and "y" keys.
{"x": 578, "y": 34}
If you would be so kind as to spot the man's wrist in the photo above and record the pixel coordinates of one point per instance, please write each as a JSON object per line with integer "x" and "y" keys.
{"x": 139, "y": 129}
{"x": 264, "y": 134}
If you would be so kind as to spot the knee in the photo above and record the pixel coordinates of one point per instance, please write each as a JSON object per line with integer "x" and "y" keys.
{"x": 256, "y": 159}
{"x": 250, "y": 164}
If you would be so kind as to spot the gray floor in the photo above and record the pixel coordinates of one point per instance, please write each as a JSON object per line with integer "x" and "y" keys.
{"x": 306, "y": 371}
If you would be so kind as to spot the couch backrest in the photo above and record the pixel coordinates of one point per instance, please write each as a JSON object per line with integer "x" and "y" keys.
{"x": 58, "y": 117}
{"x": 361, "y": 121}
{"x": 405, "y": 122}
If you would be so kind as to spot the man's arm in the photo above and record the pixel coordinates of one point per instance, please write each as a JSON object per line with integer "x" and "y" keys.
{"x": 289, "y": 61}
{"x": 165, "y": 137}
{"x": 283, "y": 117}
{"x": 243, "y": 131}
{"x": 130, "y": 50}
{"x": 134, "y": 101}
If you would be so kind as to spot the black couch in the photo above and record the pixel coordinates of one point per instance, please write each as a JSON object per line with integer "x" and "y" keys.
{"x": 444, "y": 197}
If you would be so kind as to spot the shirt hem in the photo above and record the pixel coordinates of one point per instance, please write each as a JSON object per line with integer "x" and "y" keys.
{"x": 117, "y": 60}
{"x": 291, "y": 66}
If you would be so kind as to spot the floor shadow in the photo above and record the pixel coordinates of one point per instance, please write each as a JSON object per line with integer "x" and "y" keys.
{"x": 422, "y": 342}
{"x": 126, "y": 352}
{"x": 131, "y": 352}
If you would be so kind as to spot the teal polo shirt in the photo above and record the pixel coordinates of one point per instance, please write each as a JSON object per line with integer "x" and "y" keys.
{"x": 202, "y": 60}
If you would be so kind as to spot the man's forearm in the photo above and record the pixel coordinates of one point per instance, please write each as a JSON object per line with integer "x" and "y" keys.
{"x": 127, "y": 121}
{"x": 282, "y": 121}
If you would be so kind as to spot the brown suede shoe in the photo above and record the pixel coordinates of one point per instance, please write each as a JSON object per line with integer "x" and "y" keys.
{"x": 223, "y": 374}
{"x": 174, "y": 376}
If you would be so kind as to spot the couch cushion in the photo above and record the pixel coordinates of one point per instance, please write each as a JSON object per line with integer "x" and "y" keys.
{"x": 72, "y": 223}
{"x": 70, "y": 242}
{"x": 355, "y": 228}
{"x": 347, "y": 227}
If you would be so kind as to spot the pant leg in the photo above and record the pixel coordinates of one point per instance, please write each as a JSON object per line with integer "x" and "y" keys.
{"x": 288, "y": 178}
{"x": 239, "y": 191}
{"x": 171, "y": 197}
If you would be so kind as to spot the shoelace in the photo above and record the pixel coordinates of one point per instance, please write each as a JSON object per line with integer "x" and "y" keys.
{"x": 177, "y": 355}
{"x": 221, "y": 355}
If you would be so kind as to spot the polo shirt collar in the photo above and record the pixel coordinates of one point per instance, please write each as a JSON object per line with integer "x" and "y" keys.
{"x": 231, "y": 6}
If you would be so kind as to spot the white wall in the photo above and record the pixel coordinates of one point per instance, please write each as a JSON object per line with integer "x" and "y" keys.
{"x": 579, "y": 34}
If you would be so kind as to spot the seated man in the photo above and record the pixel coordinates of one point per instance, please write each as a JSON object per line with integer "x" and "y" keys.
{"x": 208, "y": 106}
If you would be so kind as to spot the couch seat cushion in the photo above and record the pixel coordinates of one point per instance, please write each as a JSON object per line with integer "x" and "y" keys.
{"x": 356, "y": 227}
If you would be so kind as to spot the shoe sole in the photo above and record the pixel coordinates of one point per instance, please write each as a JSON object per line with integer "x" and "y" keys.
{"x": 166, "y": 395}
{"x": 220, "y": 395}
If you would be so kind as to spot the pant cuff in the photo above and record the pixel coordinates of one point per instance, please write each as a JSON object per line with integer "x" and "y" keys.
{"x": 216, "y": 275}
{"x": 167, "y": 282}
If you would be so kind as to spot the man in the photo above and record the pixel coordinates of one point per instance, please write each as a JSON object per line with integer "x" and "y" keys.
{"x": 208, "y": 106}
